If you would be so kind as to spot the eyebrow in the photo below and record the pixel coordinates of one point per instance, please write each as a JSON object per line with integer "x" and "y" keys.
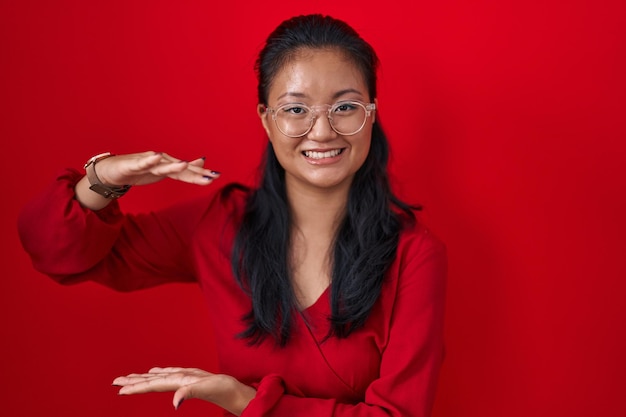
{"x": 302, "y": 95}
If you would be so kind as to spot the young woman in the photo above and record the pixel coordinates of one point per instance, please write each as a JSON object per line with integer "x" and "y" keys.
{"x": 327, "y": 295}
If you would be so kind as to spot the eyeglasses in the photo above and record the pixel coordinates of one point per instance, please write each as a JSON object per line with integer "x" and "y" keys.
{"x": 345, "y": 117}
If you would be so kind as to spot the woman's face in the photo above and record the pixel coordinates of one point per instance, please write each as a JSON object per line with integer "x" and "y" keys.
{"x": 321, "y": 159}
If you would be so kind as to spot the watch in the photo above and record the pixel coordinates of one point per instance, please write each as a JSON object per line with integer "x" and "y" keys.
{"x": 107, "y": 191}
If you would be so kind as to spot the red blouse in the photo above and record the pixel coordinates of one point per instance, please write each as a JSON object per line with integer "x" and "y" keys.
{"x": 389, "y": 367}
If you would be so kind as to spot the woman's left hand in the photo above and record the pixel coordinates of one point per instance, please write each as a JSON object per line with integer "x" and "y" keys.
{"x": 222, "y": 390}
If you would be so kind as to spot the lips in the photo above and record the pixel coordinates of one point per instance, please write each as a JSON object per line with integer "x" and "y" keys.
{"x": 321, "y": 155}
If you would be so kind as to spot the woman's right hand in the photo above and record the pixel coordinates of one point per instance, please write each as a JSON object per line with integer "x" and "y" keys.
{"x": 141, "y": 169}
{"x": 150, "y": 167}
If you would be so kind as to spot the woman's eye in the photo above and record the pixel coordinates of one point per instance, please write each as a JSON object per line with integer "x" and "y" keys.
{"x": 343, "y": 107}
{"x": 295, "y": 110}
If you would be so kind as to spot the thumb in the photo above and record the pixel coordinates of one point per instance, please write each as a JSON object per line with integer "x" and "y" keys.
{"x": 181, "y": 394}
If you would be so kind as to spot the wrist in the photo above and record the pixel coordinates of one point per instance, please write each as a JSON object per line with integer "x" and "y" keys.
{"x": 245, "y": 395}
{"x": 238, "y": 395}
{"x": 97, "y": 186}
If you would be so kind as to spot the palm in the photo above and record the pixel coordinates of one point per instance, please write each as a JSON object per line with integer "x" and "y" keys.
{"x": 219, "y": 389}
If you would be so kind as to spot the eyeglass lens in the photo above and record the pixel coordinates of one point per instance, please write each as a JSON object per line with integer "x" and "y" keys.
{"x": 345, "y": 118}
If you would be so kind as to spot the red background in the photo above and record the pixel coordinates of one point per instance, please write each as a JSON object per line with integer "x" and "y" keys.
{"x": 506, "y": 121}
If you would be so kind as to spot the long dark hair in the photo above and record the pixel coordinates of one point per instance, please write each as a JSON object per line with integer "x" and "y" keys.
{"x": 366, "y": 242}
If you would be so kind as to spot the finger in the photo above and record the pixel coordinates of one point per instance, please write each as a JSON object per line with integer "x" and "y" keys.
{"x": 155, "y": 372}
{"x": 197, "y": 166}
{"x": 205, "y": 388}
{"x": 150, "y": 159}
{"x": 155, "y": 384}
{"x": 184, "y": 393}
{"x": 133, "y": 379}
{"x": 169, "y": 158}
{"x": 156, "y": 162}
{"x": 185, "y": 374}
{"x": 166, "y": 158}
{"x": 168, "y": 369}
{"x": 199, "y": 162}
{"x": 143, "y": 375}
{"x": 196, "y": 163}
{"x": 165, "y": 168}
{"x": 195, "y": 175}
{"x": 180, "y": 395}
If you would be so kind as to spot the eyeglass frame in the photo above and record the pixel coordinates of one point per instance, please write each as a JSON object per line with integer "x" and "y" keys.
{"x": 368, "y": 107}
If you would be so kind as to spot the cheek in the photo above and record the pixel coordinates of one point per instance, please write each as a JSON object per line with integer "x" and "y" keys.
{"x": 364, "y": 153}
{"x": 364, "y": 145}
{"x": 363, "y": 149}
{"x": 283, "y": 149}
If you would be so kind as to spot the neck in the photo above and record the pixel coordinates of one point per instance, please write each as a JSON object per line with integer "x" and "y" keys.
{"x": 316, "y": 215}
{"x": 317, "y": 211}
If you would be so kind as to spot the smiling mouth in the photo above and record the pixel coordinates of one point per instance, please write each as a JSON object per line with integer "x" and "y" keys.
{"x": 322, "y": 155}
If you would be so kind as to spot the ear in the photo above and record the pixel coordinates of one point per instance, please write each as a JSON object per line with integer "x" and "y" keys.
{"x": 263, "y": 115}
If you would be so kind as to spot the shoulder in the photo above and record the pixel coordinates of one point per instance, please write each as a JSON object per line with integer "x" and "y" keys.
{"x": 419, "y": 240}
{"x": 416, "y": 281}
{"x": 421, "y": 258}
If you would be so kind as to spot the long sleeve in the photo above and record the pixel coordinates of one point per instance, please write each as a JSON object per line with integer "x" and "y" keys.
{"x": 411, "y": 357}
{"x": 123, "y": 251}
{"x": 389, "y": 367}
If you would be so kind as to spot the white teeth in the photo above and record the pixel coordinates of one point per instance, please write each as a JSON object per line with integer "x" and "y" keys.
{"x": 320, "y": 155}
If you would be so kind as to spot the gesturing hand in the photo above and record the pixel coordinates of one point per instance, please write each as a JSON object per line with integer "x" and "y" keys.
{"x": 222, "y": 390}
{"x": 140, "y": 169}
{"x": 149, "y": 167}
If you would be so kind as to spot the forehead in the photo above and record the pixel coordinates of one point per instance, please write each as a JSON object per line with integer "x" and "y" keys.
{"x": 317, "y": 75}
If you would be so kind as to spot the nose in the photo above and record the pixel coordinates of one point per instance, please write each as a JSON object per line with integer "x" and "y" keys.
{"x": 321, "y": 129}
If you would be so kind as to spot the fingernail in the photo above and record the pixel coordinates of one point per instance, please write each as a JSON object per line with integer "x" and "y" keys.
{"x": 179, "y": 403}
{"x": 203, "y": 157}
{"x": 215, "y": 173}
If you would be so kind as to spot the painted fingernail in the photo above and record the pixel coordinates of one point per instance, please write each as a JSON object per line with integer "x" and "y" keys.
{"x": 215, "y": 173}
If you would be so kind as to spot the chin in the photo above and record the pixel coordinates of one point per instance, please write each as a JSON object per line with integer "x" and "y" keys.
{"x": 331, "y": 182}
